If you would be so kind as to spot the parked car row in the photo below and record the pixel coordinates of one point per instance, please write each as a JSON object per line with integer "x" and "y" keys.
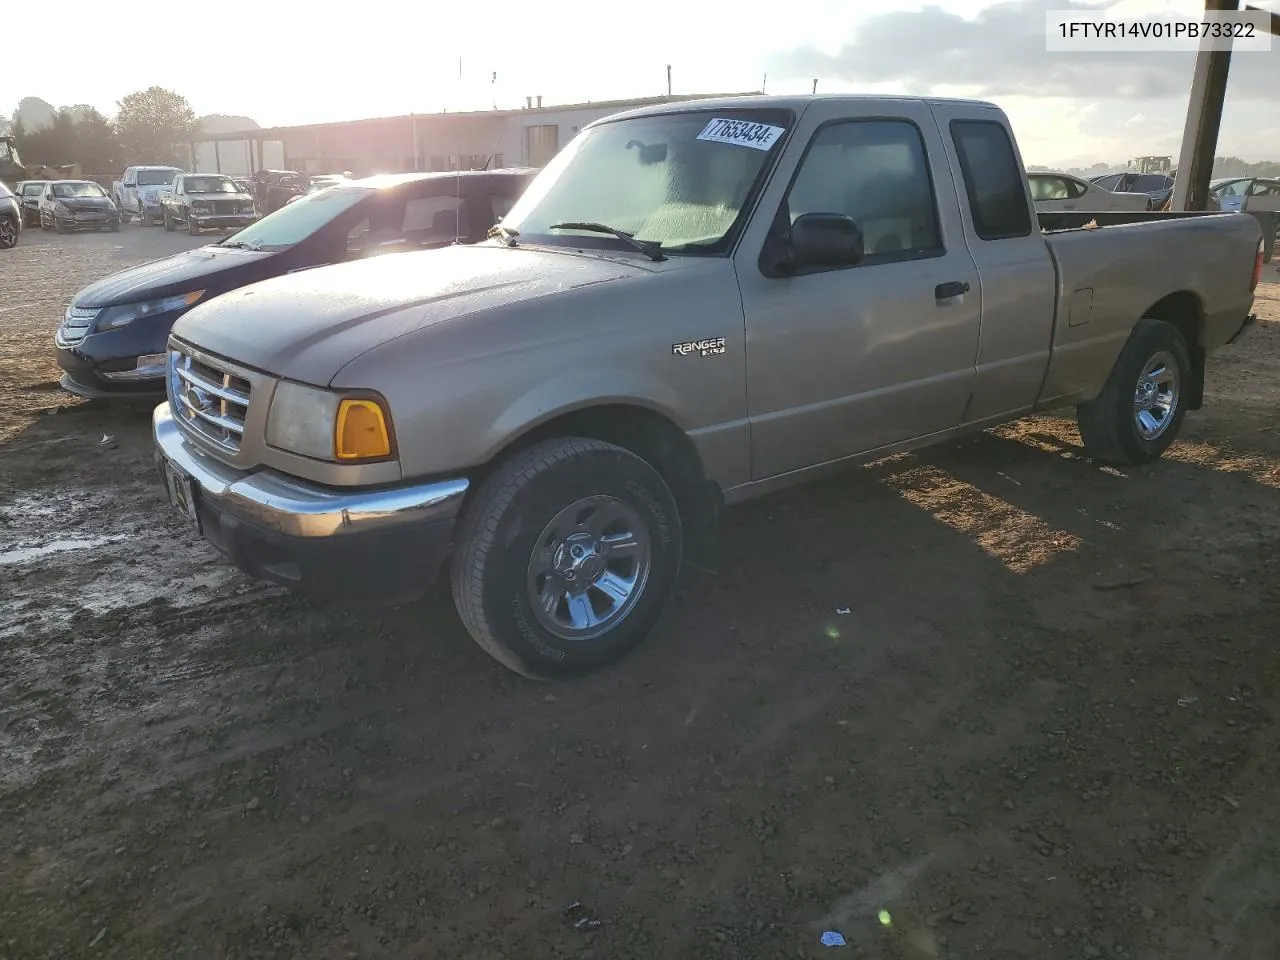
{"x": 112, "y": 339}
{"x": 66, "y": 206}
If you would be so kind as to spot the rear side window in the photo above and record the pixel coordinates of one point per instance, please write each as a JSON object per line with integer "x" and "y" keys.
{"x": 992, "y": 179}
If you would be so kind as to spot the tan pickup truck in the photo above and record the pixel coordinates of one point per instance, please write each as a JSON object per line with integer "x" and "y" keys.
{"x": 691, "y": 305}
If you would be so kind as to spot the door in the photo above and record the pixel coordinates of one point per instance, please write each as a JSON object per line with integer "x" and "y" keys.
{"x": 541, "y": 143}
{"x": 849, "y": 359}
{"x": 1019, "y": 281}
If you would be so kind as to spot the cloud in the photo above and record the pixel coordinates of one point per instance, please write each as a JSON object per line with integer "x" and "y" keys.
{"x": 1001, "y": 52}
{"x": 1135, "y": 119}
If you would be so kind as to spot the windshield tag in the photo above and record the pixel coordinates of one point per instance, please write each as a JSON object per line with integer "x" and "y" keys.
{"x": 741, "y": 133}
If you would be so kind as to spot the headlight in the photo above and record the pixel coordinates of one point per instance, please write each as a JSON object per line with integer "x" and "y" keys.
{"x": 325, "y": 425}
{"x": 113, "y": 318}
{"x": 60, "y": 207}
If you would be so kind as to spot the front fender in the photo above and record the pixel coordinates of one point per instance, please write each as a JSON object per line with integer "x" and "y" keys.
{"x": 570, "y": 392}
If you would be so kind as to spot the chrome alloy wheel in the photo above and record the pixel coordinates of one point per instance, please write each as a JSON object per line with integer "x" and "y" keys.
{"x": 1155, "y": 401}
{"x": 589, "y": 568}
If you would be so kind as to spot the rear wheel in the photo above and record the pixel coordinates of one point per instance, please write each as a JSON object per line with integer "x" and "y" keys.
{"x": 566, "y": 557}
{"x": 1141, "y": 407}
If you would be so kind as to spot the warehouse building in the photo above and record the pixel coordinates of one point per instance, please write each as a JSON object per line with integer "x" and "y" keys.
{"x": 527, "y": 137}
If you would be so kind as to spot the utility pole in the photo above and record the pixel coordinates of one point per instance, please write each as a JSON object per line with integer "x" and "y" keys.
{"x": 668, "y": 79}
{"x": 815, "y": 85}
{"x": 764, "y": 86}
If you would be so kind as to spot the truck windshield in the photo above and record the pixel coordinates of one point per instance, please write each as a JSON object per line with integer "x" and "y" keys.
{"x": 682, "y": 180}
{"x": 209, "y": 185}
{"x": 156, "y": 178}
{"x": 296, "y": 221}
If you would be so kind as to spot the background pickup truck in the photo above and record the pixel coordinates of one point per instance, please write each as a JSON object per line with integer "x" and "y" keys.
{"x": 205, "y": 201}
{"x": 137, "y": 193}
{"x": 689, "y": 306}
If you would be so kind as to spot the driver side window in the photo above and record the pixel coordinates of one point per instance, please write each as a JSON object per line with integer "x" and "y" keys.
{"x": 875, "y": 172}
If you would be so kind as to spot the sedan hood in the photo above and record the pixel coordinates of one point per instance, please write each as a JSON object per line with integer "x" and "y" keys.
{"x": 180, "y": 273}
{"x": 307, "y": 325}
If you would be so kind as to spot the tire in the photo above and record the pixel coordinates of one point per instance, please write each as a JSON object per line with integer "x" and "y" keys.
{"x": 43, "y": 225}
{"x": 114, "y": 226}
{"x": 496, "y": 569}
{"x": 8, "y": 233}
{"x": 168, "y": 222}
{"x": 1112, "y": 424}
{"x": 193, "y": 228}
{"x": 59, "y": 226}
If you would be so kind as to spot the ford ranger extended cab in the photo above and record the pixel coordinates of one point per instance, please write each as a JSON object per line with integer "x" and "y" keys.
{"x": 690, "y": 305}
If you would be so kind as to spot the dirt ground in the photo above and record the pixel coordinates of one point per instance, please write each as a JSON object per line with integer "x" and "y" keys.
{"x": 989, "y": 701}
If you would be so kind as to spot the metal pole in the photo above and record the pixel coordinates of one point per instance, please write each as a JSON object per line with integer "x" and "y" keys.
{"x": 815, "y": 85}
{"x": 1204, "y": 119}
{"x": 668, "y": 79}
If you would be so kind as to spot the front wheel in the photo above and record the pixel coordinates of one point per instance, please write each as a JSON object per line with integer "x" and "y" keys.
{"x": 8, "y": 233}
{"x": 566, "y": 557}
{"x": 168, "y": 222}
{"x": 193, "y": 228}
{"x": 1141, "y": 407}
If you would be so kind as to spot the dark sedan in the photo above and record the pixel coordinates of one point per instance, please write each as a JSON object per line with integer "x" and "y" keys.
{"x": 112, "y": 340}
{"x": 68, "y": 205}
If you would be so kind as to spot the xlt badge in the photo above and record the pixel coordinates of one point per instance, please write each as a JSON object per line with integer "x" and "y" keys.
{"x": 708, "y": 347}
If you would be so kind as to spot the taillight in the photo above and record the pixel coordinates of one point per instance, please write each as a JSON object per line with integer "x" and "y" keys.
{"x": 1257, "y": 269}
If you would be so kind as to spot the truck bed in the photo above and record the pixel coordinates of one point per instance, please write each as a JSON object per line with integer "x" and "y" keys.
{"x": 1188, "y": 267}
{"x": 1059, "y": 221}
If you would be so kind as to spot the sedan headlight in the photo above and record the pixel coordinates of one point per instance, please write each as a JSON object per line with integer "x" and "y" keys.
{"x": 325, "y": 425}
{"x": 112, "y": 318}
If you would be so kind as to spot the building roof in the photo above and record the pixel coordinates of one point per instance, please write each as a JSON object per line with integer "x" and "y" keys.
{"x": 275, "y": 133}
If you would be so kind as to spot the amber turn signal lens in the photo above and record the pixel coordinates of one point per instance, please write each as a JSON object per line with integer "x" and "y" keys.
{"x": 361, "y": 432}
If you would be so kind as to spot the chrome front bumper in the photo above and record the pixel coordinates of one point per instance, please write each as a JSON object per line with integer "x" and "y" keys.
{"x": 292, "y": 508}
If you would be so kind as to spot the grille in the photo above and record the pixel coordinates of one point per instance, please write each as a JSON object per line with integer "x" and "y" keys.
{"x": 208, "y": 401}
{"x": 225, "y": 206}
{"x": 76, "y": 324}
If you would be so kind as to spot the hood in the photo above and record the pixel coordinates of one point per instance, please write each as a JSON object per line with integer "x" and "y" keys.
{"x": 85, "y": 203}
{"x": 307, "y": 325}
{"x": 209, "y": 197}
{"x": 162, "y": 278}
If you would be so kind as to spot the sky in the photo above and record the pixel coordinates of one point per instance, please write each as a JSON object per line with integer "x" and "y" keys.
{"x": 386, "y": 57}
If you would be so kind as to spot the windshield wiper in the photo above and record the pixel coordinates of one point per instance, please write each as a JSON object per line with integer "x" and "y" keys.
{"x": 650, "y": 248}
{"x": 241, "y": 245}
{"x": 507, "y": 235}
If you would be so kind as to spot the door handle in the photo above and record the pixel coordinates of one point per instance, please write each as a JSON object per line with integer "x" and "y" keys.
{"x": 945, "y": 291}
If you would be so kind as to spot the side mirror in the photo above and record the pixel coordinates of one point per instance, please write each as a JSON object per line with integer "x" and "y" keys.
{"x": 825, "y": 240}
